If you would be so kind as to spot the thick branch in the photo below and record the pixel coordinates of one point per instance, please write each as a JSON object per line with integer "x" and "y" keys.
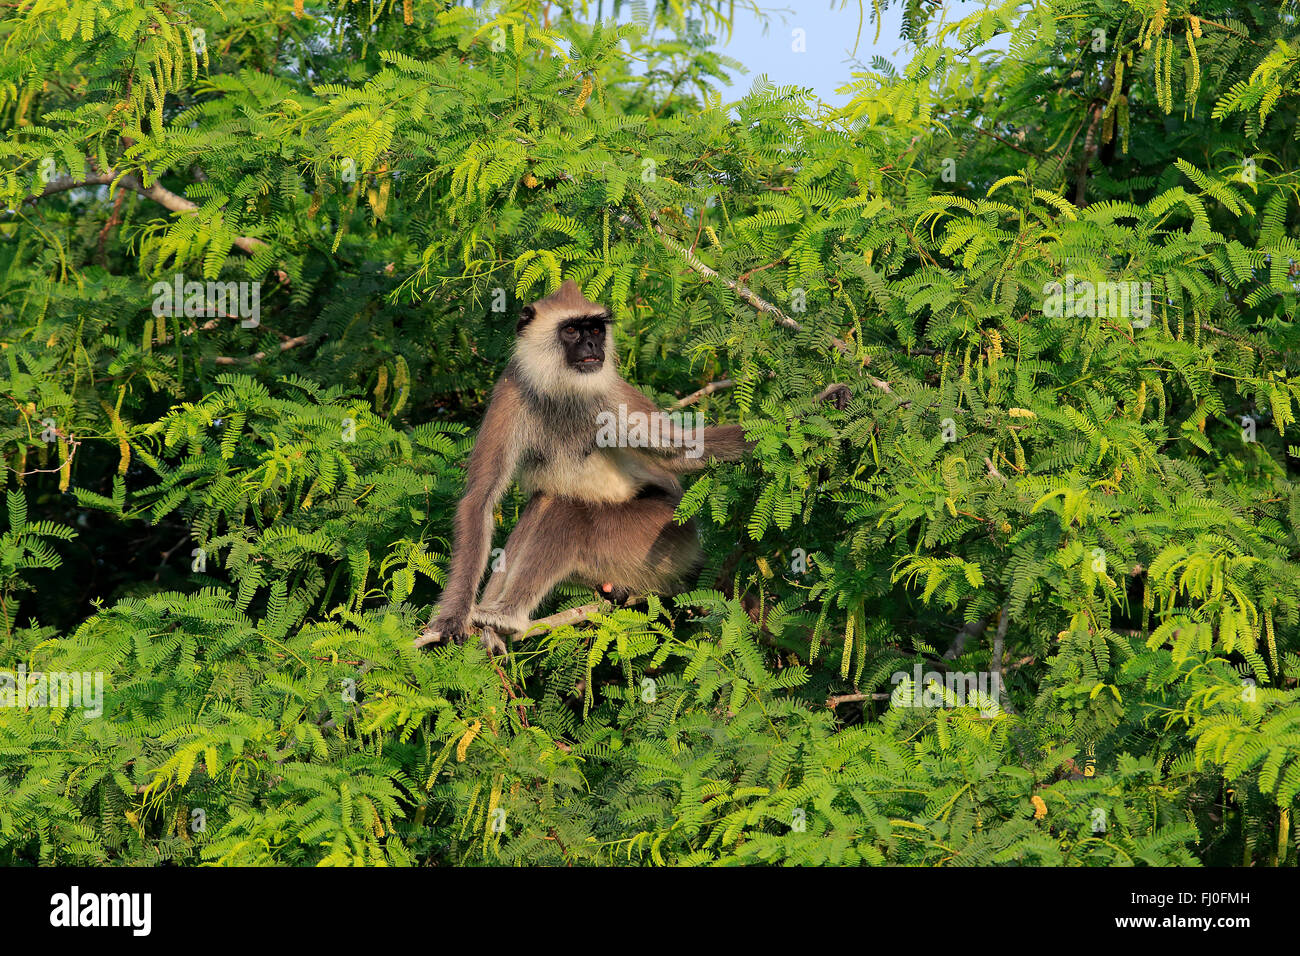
{"x": 1092, "y": 142}
{"x": 974, "y": 629}
{"x": 542, "y": 625}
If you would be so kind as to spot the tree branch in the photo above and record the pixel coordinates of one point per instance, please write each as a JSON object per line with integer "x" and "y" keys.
{"x": 287, "y": 344}
{"x": 742, "y": 291}
{"x": 968, "y": 631}
{"x": 130, "y": 180}
{"x": 999, "y": 642}
{"x": 836, "y": 699}
{"x": 575, "y": 615}
{"x": 691, "y": 399}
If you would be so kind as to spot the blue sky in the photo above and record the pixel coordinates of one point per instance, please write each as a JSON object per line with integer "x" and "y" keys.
{"x": 830, "y": 28}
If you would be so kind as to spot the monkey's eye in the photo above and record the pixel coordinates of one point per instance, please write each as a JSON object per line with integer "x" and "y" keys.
{"x": 569, "y": 333}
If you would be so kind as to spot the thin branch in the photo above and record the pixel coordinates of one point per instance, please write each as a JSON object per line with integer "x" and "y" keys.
{"x": 718, "y": 386}
{"x": 742, "y": 291}
{"x": 836, "y": 699}
{"x": 130, "y": 180}
{"x": 1004, "y": 141}
{"x": 287, "y": 344}
{"x": 999, "y": 642}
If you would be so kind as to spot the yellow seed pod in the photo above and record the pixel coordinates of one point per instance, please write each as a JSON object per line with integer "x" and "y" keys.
{"x": 1006, "y": 527}
{"x": 463, "y": 747}
{"x": 408, "y": 12}
{"x": 531, "y": 181}
{"x": 995, "y": 345}
{"x": 584, "y": 94}
{"x": 120, "y": 107}
{"x": 1020, "y": 413}
{"x": 848, "y": 646}
{"x": 401, "y": 383}
{"x": 1040, "y": 808}
{"x": 1158, "y": 21}
{"x": 1196, "y": 27}
{"x": 65, "y": 464}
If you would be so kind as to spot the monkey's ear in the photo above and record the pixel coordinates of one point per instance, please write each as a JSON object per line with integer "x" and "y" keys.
{"x": 526, "y": 315}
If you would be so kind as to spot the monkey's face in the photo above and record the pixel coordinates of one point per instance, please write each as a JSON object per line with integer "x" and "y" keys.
{"x": 583, "y": 341}
{"x": 564, "y": 345}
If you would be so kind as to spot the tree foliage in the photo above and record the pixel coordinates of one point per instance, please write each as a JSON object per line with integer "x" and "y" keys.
{"x": 242, "y": 525}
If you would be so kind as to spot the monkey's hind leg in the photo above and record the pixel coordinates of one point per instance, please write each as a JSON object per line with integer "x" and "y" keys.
{"x": 636, "y": 547}
{"x": 633, "y": 546}
{"x": 539, "y": 554}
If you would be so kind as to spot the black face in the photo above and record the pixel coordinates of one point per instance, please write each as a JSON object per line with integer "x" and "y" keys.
{"x": 584, "y": 342}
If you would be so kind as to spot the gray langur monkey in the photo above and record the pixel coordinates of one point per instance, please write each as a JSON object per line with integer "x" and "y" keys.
{"x": 599, "y": 513}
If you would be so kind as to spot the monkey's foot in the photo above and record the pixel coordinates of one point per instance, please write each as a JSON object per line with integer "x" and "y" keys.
{"x": 489, "y": 640}
{"x": 428, "y": 636}
{"x": 505, "y": 621}
{"x": 492, "y": 642}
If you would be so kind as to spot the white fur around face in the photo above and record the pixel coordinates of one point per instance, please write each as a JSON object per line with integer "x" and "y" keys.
{"x": 541, "y": 361}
